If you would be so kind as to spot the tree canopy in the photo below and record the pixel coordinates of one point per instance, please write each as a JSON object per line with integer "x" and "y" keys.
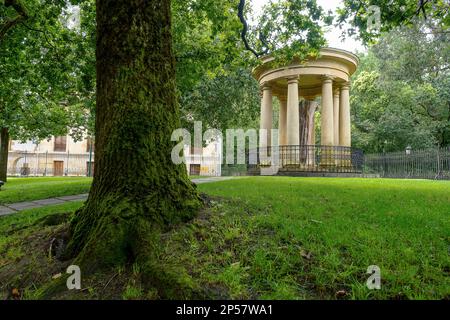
{"x": 42, "y": 88}
{"x": 392, "y": 14}
{"x": 401, "y": 93}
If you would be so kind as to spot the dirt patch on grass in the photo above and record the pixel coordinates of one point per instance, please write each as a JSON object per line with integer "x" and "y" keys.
{"x": 39, "y": 264}
{"x": 37, "y": 271}
{"x": 36, "y": 265}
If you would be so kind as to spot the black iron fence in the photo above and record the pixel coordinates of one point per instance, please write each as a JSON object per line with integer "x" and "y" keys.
{"x": 413, "y": 164}
{"x": 24, "y": 163}
{"x": 410, "y": 164}
{"x": 321, "y": 159}
{"x": 306, "y": 158}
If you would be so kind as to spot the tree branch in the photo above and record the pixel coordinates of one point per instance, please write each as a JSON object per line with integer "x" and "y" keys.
{"x": 241, "y": 16}
{"x": 422, "y": 4}
{"x": 41, "y": 31}
{"x": 22, "y": 15}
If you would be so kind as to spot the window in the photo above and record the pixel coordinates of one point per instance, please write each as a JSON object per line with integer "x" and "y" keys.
{"x": 194, "y": 169}
{"x": 90, "y": 143}
{"x": 60, "y": 144}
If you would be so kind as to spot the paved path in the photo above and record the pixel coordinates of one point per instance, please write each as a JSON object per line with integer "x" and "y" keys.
{"x": 8, "y": 209}
{"x": 211, "y": 179}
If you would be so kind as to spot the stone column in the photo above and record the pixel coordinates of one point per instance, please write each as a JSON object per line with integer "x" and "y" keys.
{"x": 266, "y": 116}
{"x": 312, "y": 142}
{"x": 282, "y": 124}
{"x": 293, "y": 132}
{"x": 327, "y": 123}
{"x": 345, "y": 138}
{"x": 336, "y": 106}
{"x": 327, "y": 111}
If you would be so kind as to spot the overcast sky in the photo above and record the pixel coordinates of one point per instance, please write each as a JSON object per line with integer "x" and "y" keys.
{"x": 332, "y": 37}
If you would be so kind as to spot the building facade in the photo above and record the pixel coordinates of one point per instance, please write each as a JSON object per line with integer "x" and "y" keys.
{"x": 205, "y": 161}
{"x": 62, "y": 156}
{"x": 58, "y": 156}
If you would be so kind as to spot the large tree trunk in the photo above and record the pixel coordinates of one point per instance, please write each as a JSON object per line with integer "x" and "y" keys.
{"x": 137, "y": 190}
{"x": 307, "y": 112}
{"x": 4, "y": 148}
{"x": 307, "y": 131}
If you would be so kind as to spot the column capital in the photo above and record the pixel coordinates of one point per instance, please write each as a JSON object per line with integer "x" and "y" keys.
{"x": 337, "y": 91}
{"x": 346, "y": 86}
{"x": 292, "y": 80}
{"x": 327, "y": 78}
{"x": 265, "y": 86}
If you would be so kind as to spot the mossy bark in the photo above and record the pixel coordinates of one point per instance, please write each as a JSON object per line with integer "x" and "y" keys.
{"x": 137, "y": 190}
{"x": 4, "y": 148}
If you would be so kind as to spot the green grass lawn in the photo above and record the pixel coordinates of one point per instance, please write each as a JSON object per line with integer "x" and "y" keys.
{"x": 17, "y": 227}
{"x": 26, "y": 189}
{"x": 311, "y": 238}
{"x": 276, "y": 238}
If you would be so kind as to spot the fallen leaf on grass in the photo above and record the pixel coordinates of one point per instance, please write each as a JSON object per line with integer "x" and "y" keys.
{"x": 15, "y": 293}
{"x": 306, "y": 254}
{"x": 341, "y": 294}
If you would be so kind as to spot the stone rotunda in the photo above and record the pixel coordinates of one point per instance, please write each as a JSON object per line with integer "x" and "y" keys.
{"x": 297, "y": 87}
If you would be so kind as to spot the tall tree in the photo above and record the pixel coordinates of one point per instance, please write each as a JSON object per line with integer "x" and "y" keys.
{"x": 42, "y": 91}
{"x": 40, "y": 98}
{"x": 213, "y": 70}
{"x": 391, "y": 14}
{"x": 21, "y": 14}
{"x": 137, "y": 189}
{"x": 4, "y": 147}
{"x": 401, "y": 92}
{"x": 7, "y": 24}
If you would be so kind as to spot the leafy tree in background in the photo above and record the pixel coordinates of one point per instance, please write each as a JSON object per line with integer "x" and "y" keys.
{"x": 292, "y": 30}
{"x": 226, "y": 101}
{"x": 393, "y": 14}
{"x": 42, "y": 93}
{"x": 210, "y": 60}
{"x": 401, "y": 92}
{"x": 400, "y": 95}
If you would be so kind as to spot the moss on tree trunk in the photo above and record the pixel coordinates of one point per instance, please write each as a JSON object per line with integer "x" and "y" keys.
{"x": 137, "y": 190}
{"x": 4, "y": 148}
